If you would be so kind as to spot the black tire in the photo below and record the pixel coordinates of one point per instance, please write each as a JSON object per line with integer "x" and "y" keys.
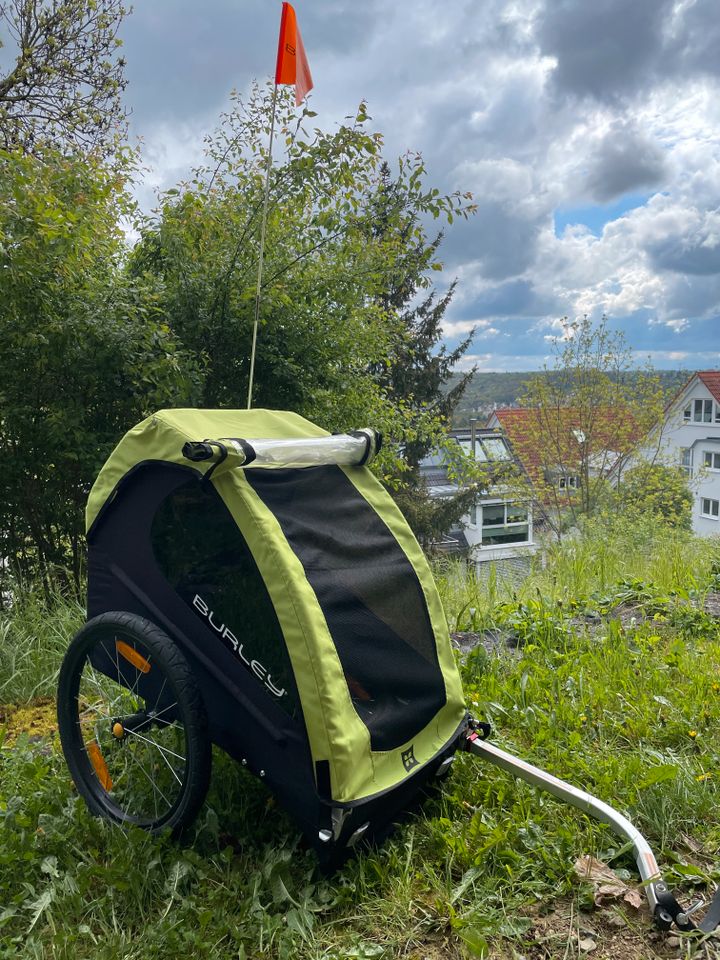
{"x": 133, "y": 725}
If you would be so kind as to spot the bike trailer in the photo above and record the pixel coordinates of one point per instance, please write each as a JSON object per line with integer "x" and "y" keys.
{"x": 252, "y": 585}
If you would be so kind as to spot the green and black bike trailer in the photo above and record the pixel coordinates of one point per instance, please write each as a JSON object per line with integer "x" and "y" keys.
{"x": 302, "y": 604}
{"x": 252, "y": 585}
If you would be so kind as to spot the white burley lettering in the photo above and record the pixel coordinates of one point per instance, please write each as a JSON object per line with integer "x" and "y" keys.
{"x": 271, "y": 686}
{"x": 254, "y": 665}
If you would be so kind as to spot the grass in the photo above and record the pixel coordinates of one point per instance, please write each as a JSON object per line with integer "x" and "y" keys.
{"x": 628, "y": 707}
{"x": 33, "y": 638}
{"x": 579, "y": 568}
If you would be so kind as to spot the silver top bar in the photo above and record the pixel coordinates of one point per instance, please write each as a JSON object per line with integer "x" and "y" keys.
{"x": 343, "y": 449}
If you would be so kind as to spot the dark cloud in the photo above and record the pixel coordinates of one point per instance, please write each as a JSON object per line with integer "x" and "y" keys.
{"x": 625, "y": 160}
{"x": 184, "y": 57}
{"x": 509, "y": 299}
{"x": 695, "y": 295}
{"x": 697, "y": 255}
{"x": 696, "y": 44}
{"x": 613, "y": 49}
{"x": 499, "y": 240}
{"x": 604, "y": 49}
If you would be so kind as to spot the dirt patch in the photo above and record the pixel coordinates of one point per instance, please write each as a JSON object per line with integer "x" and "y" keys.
{"x": 493, "y": 641}
{"x": 615, "y": 933}
{"x": 628, "y": 614}
{"x": 712, "y": 604}
{"x": 565, "y": 933}
{"x": 37, "y": 719}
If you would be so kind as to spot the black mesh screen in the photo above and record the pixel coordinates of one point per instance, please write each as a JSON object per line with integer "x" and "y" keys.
{"x": 205, "y": 558}
{"x": 370, "y": 596}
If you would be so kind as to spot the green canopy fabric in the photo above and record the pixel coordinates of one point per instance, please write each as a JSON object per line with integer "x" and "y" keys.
{"x": 338, "y": 721}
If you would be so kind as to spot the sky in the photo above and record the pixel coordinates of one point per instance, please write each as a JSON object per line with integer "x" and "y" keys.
{"x": 587, "y": 131}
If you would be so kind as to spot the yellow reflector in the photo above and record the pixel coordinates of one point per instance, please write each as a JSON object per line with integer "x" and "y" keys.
{"x": 118, "y": 730}
{"x": 99, "y": 766}
{"x": 132, "y": 656}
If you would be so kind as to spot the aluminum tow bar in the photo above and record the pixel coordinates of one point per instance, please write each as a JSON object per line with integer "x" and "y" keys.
{"x": 665, "y": 908}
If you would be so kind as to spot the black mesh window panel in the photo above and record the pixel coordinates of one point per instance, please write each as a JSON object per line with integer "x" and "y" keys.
{"x": 206, "y": 560}
{"x": 369, "y": 594}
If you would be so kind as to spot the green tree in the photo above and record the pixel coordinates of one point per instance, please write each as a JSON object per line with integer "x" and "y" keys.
{"x": 418, "y": 367}
{"x": 326, "y": 334}
{"x": 64, "y": 81}
{"x": 86, "y": 353}
{"x": 588, "y": 414}
{"x": 658, "y": 491}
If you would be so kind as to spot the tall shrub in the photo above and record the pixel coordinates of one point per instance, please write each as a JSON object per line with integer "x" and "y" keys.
{"x": 85, "y": 352}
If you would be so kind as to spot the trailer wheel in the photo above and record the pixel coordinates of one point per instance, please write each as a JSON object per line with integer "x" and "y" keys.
{"x": 133, "y": 725}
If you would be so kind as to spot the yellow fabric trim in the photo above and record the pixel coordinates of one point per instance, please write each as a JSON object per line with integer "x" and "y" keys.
{"x": 162, "y": 435}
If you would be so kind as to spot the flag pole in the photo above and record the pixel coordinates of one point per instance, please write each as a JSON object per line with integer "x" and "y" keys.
{"x": 262, "y": 246}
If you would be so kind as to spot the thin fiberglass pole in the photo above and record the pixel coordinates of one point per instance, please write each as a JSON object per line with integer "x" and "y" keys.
{"x": 262, "y": 247}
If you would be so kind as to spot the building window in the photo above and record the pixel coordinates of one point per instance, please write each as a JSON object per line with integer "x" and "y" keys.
{"x": 487, "y": 449}
{"x": 687, "y": 413}
{"x": 686, "y": 460}
{"x": 495, "y": 448}
{"x": 702, "y": 411}
{"x": 473, "y": 515}
{"x": 568, "y": 482}
{"x": 709, "y": 508}
{"x": 504, "y": 523}
{"x": 711, "y": 460}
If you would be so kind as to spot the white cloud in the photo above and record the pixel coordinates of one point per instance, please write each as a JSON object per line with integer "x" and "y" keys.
{"x": 677, "y": 326}
{"x": 519, "y": 107}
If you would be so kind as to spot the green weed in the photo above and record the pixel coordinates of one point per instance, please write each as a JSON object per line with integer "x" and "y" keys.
{"x": 627, "y": 707}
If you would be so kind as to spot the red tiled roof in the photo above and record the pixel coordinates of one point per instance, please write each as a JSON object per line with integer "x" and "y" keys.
{"x": 711, "y": 379}
{"x": 536, "y": 445}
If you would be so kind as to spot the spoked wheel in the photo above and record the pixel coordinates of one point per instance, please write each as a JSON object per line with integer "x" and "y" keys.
{"x": 132, "y": 724}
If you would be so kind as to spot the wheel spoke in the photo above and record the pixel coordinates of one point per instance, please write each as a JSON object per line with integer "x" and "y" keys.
{"x": 152, "y": 743}
{"x": 164, "y": 710}
{"x": 145, "y": 760}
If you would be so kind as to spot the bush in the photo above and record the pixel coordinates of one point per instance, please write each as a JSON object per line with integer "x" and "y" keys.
{"x": 651, "y": 489}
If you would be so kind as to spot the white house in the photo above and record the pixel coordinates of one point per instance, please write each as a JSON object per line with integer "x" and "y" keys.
{"x": 496, "y": 528}
{"x": 690, "y": 438}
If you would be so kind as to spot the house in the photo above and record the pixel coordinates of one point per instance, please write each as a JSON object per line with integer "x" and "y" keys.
{"x": 497, "y": 528}
{"x": 689, "y": 438}
{"x": 564, "y": 449}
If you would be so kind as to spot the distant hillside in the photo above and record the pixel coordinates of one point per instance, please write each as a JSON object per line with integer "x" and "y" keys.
{"x": 489, "y": 390}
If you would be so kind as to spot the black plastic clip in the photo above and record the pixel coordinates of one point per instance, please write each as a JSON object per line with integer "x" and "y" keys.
{"x": 668, "y": 912}
{"x": 201, "y": 450}
{"x": 197, "y": 451}
{"x": 478, "y": 729}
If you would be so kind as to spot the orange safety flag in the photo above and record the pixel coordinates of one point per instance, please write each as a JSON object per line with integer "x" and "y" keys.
{"x": 292, "y": 65}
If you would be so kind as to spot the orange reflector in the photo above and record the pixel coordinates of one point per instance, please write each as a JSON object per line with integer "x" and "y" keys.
{"x": 132, "y": 656}
{"x": 99, "y": 765}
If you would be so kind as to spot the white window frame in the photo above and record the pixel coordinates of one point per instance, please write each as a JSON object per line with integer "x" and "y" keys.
{"x": 711, "y": 461}
{"x": 686, "y": 460}
{"x": 473, "y": 516}
{"x": 567, "y": 482}
{"x": 709, "y": 508}
{"x": 527, "y": 522}
{"x": 701, "y": 405}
